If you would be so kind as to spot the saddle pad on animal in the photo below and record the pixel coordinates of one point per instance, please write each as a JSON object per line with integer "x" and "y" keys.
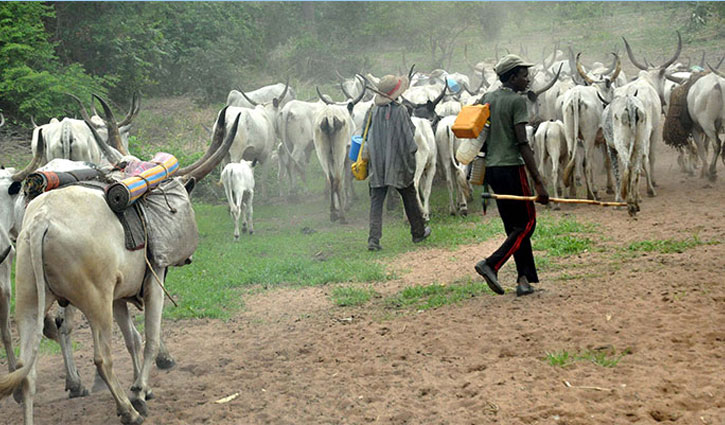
{"x": 173, "y": 235}
{"x": 43, "y": 181}
{"x": 143, "y": 176}
{"x": 678, "y": 123}
{"x": 133, "y": 228}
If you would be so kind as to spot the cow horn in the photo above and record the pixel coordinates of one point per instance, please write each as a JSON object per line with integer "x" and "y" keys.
{"x": 216, "y": 141}
{"x": 360, "y": 96}
{"x": 5, "y": 253}
{"x": 111, "y": 154}
{"x": 35, "y": 162}
{"x": 322, "y": 97}
{"x": 205, "y": 168}
{"x": 84, "y": 112}
{"x": 114, "y": 136}
{"x": 342, "y": 88}
{"x": 715, "y": 71}
{"x": 617, "y": 68}
{"x": 702, "y": 60}
{"x": 551, "y": 83}
{"x": 581, "y": 71}
{"x": 246, "y": 97}
{"x": 719, "y": 63}
{"x": 440, "y": 96}
{"x": 465, "y": 87}
{"x": 677, "y": 80}
{"x": 2, "y": 120}
{"x": 410, "y": 73}
{"x": 284, "y": 92}
{"x": 339, "y": 75}
{"x": 133, "y": 110}
{"x": 32, "y": 121}
{"x": 677, "y": 53}
{"x": 632, "y": 59}
{"x": 602, "y": 99}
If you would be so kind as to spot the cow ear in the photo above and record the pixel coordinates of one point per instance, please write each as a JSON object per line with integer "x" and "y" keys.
{"x": 14, "y": 188}
{"x": 350, "y": 105}
{"x": 531, "y": 95}
{"x": 275, "y": 102}
{"x": 608, "y": 83}
{"x": 190, "y": 185}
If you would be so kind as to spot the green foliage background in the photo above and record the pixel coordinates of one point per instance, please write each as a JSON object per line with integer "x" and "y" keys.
{"x": 204, "y": 49}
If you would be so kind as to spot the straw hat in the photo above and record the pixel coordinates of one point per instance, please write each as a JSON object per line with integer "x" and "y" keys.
{"x": 392, "y": 86}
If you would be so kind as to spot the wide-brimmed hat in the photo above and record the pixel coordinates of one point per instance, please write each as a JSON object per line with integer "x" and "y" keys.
{"x": 509, "y": 62}
{"x": 392, "y": 86}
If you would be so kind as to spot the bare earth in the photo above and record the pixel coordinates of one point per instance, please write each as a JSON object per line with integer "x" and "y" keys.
{"x": 295, "y": 358}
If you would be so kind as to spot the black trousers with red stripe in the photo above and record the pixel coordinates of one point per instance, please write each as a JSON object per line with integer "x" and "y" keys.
{"x": 519, "y": 220}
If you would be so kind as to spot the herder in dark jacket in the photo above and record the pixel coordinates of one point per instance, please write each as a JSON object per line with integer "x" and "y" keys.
{"x": 391, "y": 148}
{"x": 508, "y": 155}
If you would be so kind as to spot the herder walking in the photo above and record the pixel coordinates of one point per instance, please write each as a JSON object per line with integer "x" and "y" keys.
{"x": 391, "y": 148}
{"x": 507, "y": 152}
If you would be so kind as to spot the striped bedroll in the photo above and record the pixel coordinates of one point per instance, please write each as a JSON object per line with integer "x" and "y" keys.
{"x": 141, "y": 178}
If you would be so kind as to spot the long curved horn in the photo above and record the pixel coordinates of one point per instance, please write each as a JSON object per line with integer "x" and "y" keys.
{"x": 410, "y": 73}
{"x": 284, "y": 92}
{"x": 32, "y": 121}
{"x": 132, "y": 111}
{"x": 702, "y": 60}
{"x": 342, "y": 88}
{"x": 440, "y": 96}
{"x": 2, "y": 120}
{"x": 35, "y": 162}
{"x": 674, "y": 79}
{"x": 715, "y": 71}
{"x": 246, "y": 97}
{"x": 677, "y": 53}
{"x": 360, "y": 96}
{"x": 465, "y": 87}
{"x": 216, "y": 141}
{"x": 111, "y": 154}
{"x": 632, "y": 59}
{"x": 551, "y": 83}
{"x": 114, "y": 136}
{"x": 617, "y": 68}
{"x": 339, "y": 75}
{"x": 581, "y": 71}
{"x": 84, "y": 112}
{"x": 719, "y": 63}
{"x": 5, "y": 253}
{"x": 322, "y": 97}
{"x": 217, "y": 156}
{"x": 602, "y": 99}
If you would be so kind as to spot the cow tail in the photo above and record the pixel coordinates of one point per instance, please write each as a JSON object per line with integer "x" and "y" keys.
{"x": 300, "y": 169}
{"x": 11, "y": 381}
{"x": 569, "y": 170}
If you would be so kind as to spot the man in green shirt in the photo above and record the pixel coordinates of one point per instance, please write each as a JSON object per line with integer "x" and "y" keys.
{"x": 507, "y": 153}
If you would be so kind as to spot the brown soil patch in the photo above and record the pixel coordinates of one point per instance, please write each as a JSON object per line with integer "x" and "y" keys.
{"x": 295, "y": 358}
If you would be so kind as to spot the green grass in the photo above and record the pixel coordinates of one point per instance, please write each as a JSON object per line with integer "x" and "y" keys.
{"x": 425, "y": 297}
{"x": 346, "y": 296}
{"x": 604, "y": 358}
{"x": 668, "y": 246}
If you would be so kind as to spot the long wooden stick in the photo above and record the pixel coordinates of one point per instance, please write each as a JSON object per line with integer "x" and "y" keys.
{"x": 558, "y": 200}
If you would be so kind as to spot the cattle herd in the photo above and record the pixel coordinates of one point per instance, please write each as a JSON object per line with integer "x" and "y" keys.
{"x": 578, "y": 117}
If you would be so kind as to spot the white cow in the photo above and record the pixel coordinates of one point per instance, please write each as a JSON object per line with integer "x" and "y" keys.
{"x": 706, "y": 106}
{"x": 238, "y": 181}
{"x": 550, "y": 147}
{"x": 282, "y": 92}
{"x": 453, "y": 172}
{"x": 106, "y": 276}
{"x": 333, "y": 127}
{"x": 627, "y": 125}
{"x": 425, "y": 163}
{"x": 72, "y": 139}
{"x": 582, "y": 112}
{"x": 294, "y": 126}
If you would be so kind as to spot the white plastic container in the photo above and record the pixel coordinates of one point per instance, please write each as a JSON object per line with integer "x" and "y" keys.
{"x": 469, "y": 148}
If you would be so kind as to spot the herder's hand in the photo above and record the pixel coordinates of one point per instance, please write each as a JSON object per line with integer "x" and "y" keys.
{"x": 542, "y": 195}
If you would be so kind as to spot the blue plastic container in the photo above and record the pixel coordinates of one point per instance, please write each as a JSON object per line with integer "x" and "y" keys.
{"x": 355, "y": 143}
{"x": 453, "y": 85}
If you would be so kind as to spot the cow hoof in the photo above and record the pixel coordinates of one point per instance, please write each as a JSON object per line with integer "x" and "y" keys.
{"x": 251, "y": 232}
{"x": 150, "y": 395}
{"x": 140, "y": 406}
{"x": 610, "y": 191}
{"x": 651, "y": 193}
{"x": 79, "y": 391}
{"x": 236, "y": 238}
{"x": 712, "y": 177}
{"x": 18, "y": 395}
{"x": 342, "y": 220}
{"x": 131, "y": 418}
{"x": 165, "y": 363}
{"x": 463, "y": 213}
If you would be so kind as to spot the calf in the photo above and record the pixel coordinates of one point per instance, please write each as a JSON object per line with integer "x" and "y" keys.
{"x": 550, "y": 144}
{"x": 238, "y": 181}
